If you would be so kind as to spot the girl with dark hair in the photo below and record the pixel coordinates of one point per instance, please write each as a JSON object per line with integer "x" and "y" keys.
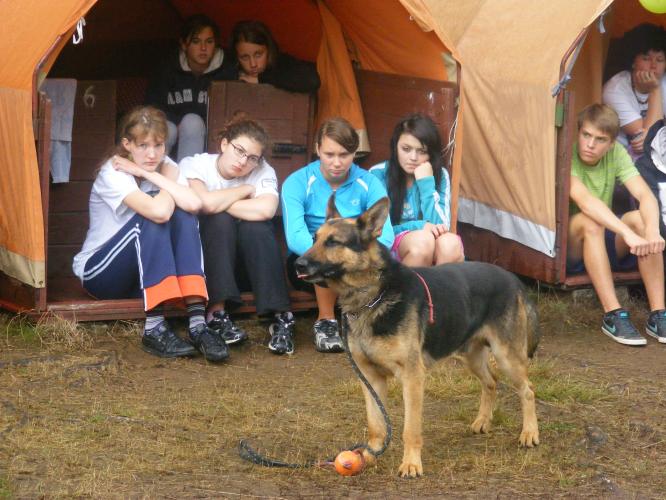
{"x": 260, "y": 61}
{"x": 143, "y": 239}
{"x": 420, "y": 193}
{"x": 239, "y": 194}
{"x": 181, "y": 87}
{"x": 305, "y": 196}
{"x": 638, "y": 93}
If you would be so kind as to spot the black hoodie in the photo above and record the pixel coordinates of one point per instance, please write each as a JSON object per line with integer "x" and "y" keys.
{"x": 177, "y": 91}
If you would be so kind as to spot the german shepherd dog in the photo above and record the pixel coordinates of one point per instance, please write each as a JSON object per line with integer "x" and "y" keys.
{"x": 476, "y": 309}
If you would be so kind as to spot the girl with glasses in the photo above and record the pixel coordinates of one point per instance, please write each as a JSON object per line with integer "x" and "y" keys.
{"x": 239, "y": 195}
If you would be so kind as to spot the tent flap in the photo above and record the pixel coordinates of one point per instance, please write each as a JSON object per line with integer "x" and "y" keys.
{"x": 510, "y": 54}
{"x": 33, "y": 26}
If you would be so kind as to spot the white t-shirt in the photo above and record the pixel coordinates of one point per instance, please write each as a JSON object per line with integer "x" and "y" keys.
{"x": 108, "y": 213}
{"x": 204, "y": 167}
{"x": 619, "y": 95}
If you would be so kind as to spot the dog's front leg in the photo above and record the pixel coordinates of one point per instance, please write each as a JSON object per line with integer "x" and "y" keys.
{"x": 376, "y": 424}
{"x": 413, "y": 383}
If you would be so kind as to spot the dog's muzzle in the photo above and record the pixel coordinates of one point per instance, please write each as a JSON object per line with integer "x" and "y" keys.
{"x": 304, "y": 268}
{"x": 312, "y": 271}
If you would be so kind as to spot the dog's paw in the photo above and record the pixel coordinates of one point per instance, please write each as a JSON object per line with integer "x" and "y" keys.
{"x": 369, "y": 458}
{"x": 410, "y": 469}
{"x": 481, "y": 425}
{"x": 529, "y": 437}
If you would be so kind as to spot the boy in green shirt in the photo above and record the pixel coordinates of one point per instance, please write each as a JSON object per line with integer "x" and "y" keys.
{"x": 596, "y": 164}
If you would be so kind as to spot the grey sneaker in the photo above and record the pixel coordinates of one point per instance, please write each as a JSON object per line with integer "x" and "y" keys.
{"x": 222, "y": 325}
{"x": 282, "y": 334}
{"x": 618, "y": 326}
{"x": 656, "y": 326}
{"x": 327, "y": 336}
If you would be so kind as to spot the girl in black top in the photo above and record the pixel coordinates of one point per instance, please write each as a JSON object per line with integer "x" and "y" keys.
{"x": 260, "y": 61}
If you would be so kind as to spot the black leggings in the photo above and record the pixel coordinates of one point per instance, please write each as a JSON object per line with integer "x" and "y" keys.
{"x": 223, "y": 238}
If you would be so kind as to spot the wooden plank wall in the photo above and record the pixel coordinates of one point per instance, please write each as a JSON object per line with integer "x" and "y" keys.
{"x": 93, "y": 136}
{"x": 388, "y": 98}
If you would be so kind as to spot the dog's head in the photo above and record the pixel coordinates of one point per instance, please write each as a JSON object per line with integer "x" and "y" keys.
{"x": 345, "y": 251}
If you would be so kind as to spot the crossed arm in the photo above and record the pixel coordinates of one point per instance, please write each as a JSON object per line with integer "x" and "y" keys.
{"x": 237, "y": 201}
{"x": 160, "y": 207}
{"x": 595, "y": 209}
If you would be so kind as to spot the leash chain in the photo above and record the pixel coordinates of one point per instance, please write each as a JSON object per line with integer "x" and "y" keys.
{"x": 246, "y": 451}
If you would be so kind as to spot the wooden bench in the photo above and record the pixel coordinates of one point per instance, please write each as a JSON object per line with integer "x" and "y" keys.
{"x": 288, "y": 118}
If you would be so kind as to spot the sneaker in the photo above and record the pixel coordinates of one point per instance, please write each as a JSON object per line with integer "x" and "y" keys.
{"x": 618, "y": 326}
{"x": 656, "y": 326}
{"x": 209, "y": 344}
{"x": 222, "y": 325}
{"x": 162, "y": 342}
{"x": 327, "y": 336}
{"x": 282, "y": 334}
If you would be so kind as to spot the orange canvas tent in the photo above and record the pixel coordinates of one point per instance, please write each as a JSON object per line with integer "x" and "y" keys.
{"x": 37, "y": 29}
{"x": 508, "y": 148}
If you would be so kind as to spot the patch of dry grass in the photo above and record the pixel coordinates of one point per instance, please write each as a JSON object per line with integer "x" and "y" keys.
{"x": 99, "y": 418}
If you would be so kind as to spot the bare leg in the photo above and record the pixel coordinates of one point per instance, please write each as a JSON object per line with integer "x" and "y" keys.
{"x": 417, "y": 248}
{"x": 586, "y": 240}
{"x": 325, "y": 302}
{"x": 651, "y": 267}
{"x": 448, "y": 248}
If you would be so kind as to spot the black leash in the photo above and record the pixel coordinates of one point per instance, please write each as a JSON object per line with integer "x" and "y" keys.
{"x": 246, "y": 452}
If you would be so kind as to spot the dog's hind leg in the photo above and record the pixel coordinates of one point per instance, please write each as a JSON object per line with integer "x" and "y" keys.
{"x": 477, "y": 359}
{"x": 514, "y": 365}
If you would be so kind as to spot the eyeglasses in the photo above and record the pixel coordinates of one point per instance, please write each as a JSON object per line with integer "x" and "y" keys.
{"x": 252, "y": 160}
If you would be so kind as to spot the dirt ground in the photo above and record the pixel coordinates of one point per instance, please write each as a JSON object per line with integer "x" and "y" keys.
{"x": 85, "y": 413}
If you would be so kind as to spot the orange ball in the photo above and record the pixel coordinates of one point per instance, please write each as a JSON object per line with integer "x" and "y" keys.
{"x": 349, "y": 463}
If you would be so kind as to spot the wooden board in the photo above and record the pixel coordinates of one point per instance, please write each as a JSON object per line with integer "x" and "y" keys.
{"x": 389, "y": 98}
{"x": 93, "y": 137}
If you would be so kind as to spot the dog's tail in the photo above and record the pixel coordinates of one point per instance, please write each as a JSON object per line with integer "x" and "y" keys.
{"x": 531, "y": 325}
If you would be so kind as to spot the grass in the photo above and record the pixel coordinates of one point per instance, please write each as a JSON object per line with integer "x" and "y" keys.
{"x": 77, "y": 421}
{"x": 18, "y": 328}
{"x": 5, "y": 492}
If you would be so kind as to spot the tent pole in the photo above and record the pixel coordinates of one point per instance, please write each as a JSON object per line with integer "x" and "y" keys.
{"x": 41, "y": 113}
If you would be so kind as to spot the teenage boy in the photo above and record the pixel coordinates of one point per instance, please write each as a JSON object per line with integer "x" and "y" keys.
{"x": 604, "y": 241}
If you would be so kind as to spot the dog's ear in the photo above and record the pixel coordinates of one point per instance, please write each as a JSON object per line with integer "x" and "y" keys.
{"x": 331, "y": 210}
{"x": 371, "y": 222}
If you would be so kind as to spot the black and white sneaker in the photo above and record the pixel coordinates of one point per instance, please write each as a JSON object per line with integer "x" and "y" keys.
{"x": 222, "y": 325}
{"x": 282, "y": 334}
{"x": 327, "y": 336}
{"x": 208, "y": 343}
